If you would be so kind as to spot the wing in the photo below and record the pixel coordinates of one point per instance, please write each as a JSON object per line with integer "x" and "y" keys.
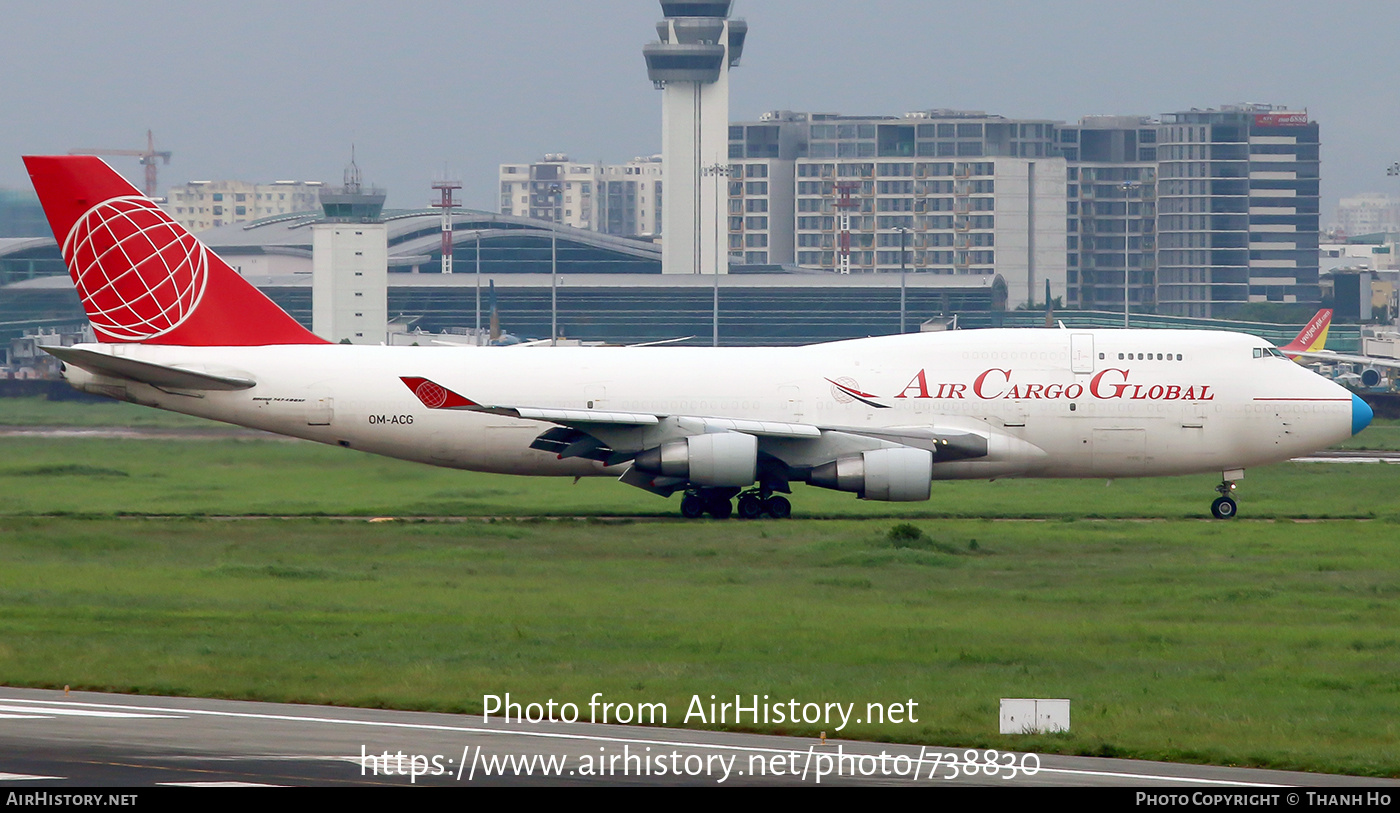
{"x": 783, "y": 451}
{"x": 436, "y": 396}
{"x": 1324, "y": 355}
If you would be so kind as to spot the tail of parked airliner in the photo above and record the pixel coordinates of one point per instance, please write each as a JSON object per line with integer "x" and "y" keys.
{"x": 141, "y": 276}
{"x": 1312, "y": 337}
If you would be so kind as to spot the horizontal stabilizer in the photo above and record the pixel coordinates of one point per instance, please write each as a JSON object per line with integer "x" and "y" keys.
{"x": 157, "y": 375}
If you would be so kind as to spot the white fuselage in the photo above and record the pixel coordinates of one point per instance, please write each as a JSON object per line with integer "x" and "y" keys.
{"x": 1086, "y": 403}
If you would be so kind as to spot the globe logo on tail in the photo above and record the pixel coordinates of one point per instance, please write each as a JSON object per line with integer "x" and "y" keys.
{"x": 138, "y": 273}
{"x": 432, "y": 395}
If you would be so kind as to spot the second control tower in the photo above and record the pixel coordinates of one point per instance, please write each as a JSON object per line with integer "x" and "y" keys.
{"x": 698, "y": 45}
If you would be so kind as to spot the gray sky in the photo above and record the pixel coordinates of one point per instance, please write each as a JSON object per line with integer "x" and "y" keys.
{"x": 260, "y": 90}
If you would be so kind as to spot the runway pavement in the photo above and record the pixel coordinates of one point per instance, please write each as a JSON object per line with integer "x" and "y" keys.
{"x": 56, "y": 740}
{"x": 1358, "y": 456}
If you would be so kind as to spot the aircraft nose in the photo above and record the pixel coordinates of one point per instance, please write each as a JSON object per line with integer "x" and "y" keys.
{"x": 1361, "y": 414}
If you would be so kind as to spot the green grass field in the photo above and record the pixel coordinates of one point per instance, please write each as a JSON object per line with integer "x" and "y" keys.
{"x": 105, "y": 477}
{"x": 37, "y": 411}
{"x": 1266, "y": 643}
{"x": 1381, "y": 435}
{"x": 1267, "y": 640}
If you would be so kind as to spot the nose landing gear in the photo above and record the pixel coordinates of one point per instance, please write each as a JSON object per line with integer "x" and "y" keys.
{"x": 1224, "y": 506}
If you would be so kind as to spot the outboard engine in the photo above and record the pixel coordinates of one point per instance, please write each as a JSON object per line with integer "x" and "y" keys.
{"x": 892, "y": 475}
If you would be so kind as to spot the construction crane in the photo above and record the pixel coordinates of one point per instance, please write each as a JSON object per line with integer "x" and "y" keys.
{"x": 148, "y": 158}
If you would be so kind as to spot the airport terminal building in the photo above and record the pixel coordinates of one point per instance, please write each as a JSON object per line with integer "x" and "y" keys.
{"x": 603, "y": 287}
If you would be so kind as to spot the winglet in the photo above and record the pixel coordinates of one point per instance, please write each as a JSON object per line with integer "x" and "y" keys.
{"x": 1313, "y": 337}
{"x": 436, "y": 396}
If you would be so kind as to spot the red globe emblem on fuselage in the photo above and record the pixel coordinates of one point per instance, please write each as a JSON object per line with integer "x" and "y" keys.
{"x": 138, "y": 273}
{"x": 432, "y": 395}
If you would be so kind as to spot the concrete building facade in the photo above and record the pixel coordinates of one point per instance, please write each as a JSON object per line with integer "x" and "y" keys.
{"x": 1368, "y": 213}
{"x": 762, "y": 187}
{"x": 1190, "y": 214}
{"x": 1111, "y": 212}
{"x": 1237, "y": 203}
{"x": 966, "y": 193}
{"x": 619, "y": 199}
{"x": 200, "y": 205}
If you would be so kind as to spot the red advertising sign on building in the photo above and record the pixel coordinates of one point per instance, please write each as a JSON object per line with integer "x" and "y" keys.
{"x": 1280, "y": 119}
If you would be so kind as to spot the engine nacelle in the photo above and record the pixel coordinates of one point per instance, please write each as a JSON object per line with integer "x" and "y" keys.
{"x": 1371, "y": 377}
{"x": 723, "y": 459}
{"x": 891, "y": 475}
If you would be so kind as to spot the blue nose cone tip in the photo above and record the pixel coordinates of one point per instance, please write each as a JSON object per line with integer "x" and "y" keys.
{"x": 1361, "y": 414}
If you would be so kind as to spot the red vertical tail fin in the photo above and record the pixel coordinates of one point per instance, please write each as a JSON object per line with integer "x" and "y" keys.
{"x": 141, "y": 276}
{"x": 1313, "y": 336}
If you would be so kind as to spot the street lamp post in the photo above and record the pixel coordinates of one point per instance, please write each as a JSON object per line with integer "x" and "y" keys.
{"x": 553, "y": 288}
{"x": 1127, "y": 187}
{"x": 478, "y": 286}
{"x": 903, "y": 232}
{"x": 717, "y": 171}
{"x": 1394, "y": 170}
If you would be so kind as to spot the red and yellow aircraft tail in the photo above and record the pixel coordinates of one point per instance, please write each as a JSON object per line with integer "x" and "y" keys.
{"x": 1312, "y": 337}
{"x": 141, "y": 276}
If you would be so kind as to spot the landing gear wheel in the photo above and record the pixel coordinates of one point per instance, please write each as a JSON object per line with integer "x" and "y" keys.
{"x": 692, "y": 506}
{"x": 778, "y": 507}
{"x": 719, "y": 508}
{"x": 1223, "y": 508}
{"x": 750, "y": 506}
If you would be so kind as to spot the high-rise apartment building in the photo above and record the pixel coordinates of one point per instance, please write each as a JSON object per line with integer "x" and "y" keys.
{"x": 762, "y": 170}
{"x": 963, "y": 192}
{"x": 620, "y": 199}
{"x": 1237, "y": 209}
{"x": 1111, "y": 213}
{"x": 1368, "y": 213}
{"x": 200, "y": 205}
{"x": 1192, "y": 214}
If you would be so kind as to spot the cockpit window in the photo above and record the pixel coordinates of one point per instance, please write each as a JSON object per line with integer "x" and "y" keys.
{"x": 1268, "y": 352}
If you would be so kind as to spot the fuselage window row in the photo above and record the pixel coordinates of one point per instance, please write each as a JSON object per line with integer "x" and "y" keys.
{"x": 1148, "y": 357}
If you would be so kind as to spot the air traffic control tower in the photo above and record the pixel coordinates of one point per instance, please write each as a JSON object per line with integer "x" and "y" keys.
{"x": 690, "y": 65}
{"x": 350, "y": 264}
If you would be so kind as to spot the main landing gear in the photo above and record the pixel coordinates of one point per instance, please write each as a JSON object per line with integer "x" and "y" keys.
{"x": 753, "y": 504}
{"x": 1224, "y": 506}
